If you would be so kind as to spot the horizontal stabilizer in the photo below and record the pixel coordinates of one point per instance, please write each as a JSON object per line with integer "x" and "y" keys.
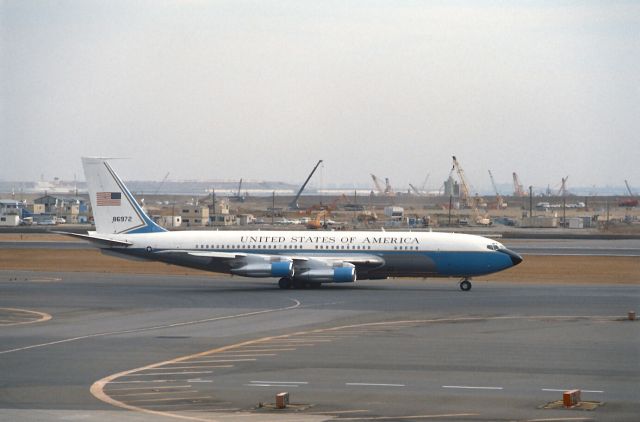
{"x": 100, "y": 240}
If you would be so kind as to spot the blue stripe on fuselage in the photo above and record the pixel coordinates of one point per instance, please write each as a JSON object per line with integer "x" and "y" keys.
{"x": 414, "y": 263}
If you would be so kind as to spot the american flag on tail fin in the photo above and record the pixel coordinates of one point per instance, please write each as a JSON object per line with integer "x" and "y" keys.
{"x": 108, "y": 199}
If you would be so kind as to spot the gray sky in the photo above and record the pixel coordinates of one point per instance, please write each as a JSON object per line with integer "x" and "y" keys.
{"x": 260, "y": 89}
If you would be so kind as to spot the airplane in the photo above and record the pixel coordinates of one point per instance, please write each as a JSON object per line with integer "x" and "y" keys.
{"x": 298, "y": 258}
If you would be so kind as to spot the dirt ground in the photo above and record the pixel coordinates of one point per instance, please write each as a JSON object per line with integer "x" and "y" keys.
{"x": 535, "y": 268}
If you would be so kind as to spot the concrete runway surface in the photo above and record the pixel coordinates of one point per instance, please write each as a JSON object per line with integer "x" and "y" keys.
{"x": 136, "y": 348}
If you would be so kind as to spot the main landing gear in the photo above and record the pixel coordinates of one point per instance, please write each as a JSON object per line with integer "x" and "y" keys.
{"x": 287, "y": 283}
{"x": 284, "y": 283}
{"x": 465, "y": 285}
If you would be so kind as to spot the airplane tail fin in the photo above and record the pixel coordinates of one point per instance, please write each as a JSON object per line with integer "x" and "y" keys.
{"x": 115, "y": 210}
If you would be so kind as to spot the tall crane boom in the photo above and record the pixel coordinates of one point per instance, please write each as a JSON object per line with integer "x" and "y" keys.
{"x": 495, "y": 188}
{"x": 164, "y": 179}
{"x": 465, "y": 196}
{"x": 377, "y": 184}
{"x": 388, "y": 190}
{"x": 294, "y": 204}
{"x": 628, "y": 188}
{"x": 517, "y": 186}
{"x": 563, "y": 187}
{"x": 424, "y": 184}
{"x": 415, "y": 190}
{"x": 239, "y": 188}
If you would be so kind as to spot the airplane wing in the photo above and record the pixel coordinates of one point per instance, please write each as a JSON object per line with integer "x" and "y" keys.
{"x": 365, "y": 259}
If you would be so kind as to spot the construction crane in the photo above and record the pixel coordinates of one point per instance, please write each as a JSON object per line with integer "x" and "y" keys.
{"x": 387, "y": 190}
{"x": 629, "y": 202}
{"x": 415, "y": 190}
{"x": 501, "y": 204}
{"x": 294, "y": 204}
{"x": 377, "y": 184}
{"x": 238, "y": 196}
{"x": 164, "y": 179}
{"x": 424, "y": 184}
{"x": 563, "y": 187}
{"x": 465, "y": 196}
{"x": 517, "y": 186}
{"x": 629, "y": 188}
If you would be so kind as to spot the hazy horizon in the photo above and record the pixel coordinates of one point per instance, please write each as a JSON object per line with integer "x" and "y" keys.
{"x": 262, "y": 90}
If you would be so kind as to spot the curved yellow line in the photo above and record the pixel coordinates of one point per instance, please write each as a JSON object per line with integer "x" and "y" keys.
{"x": 97, "y": 389}
{"x": 43, "y": 316}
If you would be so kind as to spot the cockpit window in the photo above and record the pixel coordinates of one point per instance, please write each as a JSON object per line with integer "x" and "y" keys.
{"x": 493, "y": 246}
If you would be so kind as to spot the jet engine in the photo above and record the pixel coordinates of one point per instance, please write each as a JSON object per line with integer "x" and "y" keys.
{"x": 342, "y": 274}
{"x": 265, "y": 269}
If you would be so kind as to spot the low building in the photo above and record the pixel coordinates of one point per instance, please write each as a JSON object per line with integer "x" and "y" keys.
{"x": 194, "y": 215}
{"x": 222, "y": 220}
{"x": 394, "y": 213}
{"x": 62, "y": 207}
{"x": 245, "y": 219}
{"x": 168, "y": 221}
{"x": 11, "y": 220}
{"x": 540, "y": 222}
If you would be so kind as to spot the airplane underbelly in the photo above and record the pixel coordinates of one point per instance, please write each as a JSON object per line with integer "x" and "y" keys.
{"x": 466, "y": 264}
{"x": 408, "y": 265}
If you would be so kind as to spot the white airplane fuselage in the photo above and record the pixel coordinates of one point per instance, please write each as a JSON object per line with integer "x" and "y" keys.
{"x": 379, "y": 254}
{"x": 295, "y": 257}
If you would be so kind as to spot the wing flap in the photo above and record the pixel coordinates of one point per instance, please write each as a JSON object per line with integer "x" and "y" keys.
{"x": 208, "y": 254}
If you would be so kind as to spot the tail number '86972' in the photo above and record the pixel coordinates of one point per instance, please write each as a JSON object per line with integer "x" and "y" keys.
{"x": 122, "y": 219}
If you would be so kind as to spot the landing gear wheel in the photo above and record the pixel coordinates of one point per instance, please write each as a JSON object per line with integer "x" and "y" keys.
{"x": 297, "y": 284}
{"x": 284, "y": 283}
{"x": 465, "y": 285}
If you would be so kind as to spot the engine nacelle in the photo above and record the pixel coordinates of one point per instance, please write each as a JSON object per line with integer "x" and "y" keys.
{"x": 346, "y": 274}
{"x": 265, "y": 269}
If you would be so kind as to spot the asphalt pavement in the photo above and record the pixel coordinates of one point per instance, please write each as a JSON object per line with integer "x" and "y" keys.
{"x": 134, "y": 347}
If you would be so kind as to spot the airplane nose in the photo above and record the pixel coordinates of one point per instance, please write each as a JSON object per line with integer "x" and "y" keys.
{"x": 515, "y": 258}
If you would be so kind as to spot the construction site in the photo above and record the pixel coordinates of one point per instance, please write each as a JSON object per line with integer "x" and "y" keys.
{"x": 236, "y": 204}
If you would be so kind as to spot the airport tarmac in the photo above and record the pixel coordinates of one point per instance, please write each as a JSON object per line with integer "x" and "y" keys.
{"x": 200, "y": 348}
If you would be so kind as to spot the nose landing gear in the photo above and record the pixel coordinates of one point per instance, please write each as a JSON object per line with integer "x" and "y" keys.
{"x": 465, "y": 285}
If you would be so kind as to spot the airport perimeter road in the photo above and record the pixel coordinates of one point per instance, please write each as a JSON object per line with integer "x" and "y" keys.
{"x": 600, "y": 247}
{"x": 212, "y": 349}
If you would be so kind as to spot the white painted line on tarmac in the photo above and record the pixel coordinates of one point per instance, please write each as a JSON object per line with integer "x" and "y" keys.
{"x": 272, "y": 385}
{"x": 186, "y": 367}
{"x": 341, "y": 412}
{"x": 156, "y": 327}
{"x": 252, "y": 355}
{"x": 199, "y": 380}
{"x": 146, "y": 388}
{"x": 219, "y": 360}
{"x": 279, "y": 382}
{"x": 199, "y": 366}
{"x": 169, "y": 399}
{"x": 260, "y": 350}
{"x": 559, "y": 419}
{"x": 370, "y": 384}
{"x": 153, "y": 393}
{"x": 397, "y": 418}
{"x": 145, "y": 381}
{"x": 567, "y": 389}
{"x": 169, "y": 373}
{"x": 468, "y": 387}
